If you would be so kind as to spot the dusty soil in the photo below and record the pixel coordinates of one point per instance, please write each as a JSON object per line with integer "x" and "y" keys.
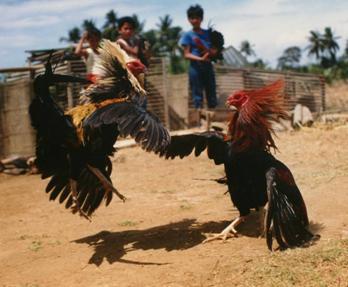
{"x": 155, "y": 238}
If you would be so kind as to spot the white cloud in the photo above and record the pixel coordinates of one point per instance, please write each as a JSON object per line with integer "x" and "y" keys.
{"x": 271, "y": 25}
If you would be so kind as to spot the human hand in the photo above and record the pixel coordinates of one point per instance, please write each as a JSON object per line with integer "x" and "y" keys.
{"x": 213, "y": 52}
{"x": 84, "y": 35}
{"x": 205, "y": 57}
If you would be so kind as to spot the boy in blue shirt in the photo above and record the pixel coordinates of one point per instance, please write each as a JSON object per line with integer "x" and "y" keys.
{"x": 197, "y": 49}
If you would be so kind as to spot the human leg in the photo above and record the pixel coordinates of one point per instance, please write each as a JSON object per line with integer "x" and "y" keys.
{"x": 196, "y": 86}
{"x": 210, "y": 86}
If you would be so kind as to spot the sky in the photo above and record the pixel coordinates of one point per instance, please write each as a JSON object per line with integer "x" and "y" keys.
{"x": 270, "y": 26}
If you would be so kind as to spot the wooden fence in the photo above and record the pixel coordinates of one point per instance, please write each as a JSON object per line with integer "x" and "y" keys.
{"x": 168, "y": 96}
{"x": 306, "y": 89}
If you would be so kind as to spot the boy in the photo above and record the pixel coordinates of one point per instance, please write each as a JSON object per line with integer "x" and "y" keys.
{"x": 90, "y": 54}
{"x": 133, "y": 45}
{"x": 197, "y": 49}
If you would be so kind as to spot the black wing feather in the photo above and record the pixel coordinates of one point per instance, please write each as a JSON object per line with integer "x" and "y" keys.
{"x": 184, "y": 145}
{"x": 131, "y": 120}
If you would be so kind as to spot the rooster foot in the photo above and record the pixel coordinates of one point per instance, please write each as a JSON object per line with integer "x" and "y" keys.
{"x": 229, "y": 231}
{"x": 76, "y": 208}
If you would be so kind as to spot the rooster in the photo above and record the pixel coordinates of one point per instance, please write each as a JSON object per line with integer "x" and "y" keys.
{"x": 255, "y": 178}
{"x": 74, "y": 147}
{"x": 217, "y": 45}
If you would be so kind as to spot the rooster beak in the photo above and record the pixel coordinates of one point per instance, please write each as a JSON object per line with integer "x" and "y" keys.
{"x": 232, "y": 108}
{"x": 230, "y": 105}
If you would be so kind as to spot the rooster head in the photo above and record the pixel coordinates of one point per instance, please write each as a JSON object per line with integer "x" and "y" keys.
{"x": 256, "y": 110}
{"x": 136, "y": 67}
{"x": 237, "y": 100}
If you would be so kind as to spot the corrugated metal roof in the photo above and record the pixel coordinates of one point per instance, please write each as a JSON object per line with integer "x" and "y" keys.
{"x": 233, "y": 58}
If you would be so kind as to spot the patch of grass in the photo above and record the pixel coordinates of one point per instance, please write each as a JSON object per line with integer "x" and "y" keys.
{"x": 128, "y": 223}
{"x": 35, "y": 246}
{"x": 24, "y": 237}
{"x": 169, "y": 191}
{"x": 185, "y": 206}
{"x": 153, "y": 191}
{"x": 325, "y": 265}
{"x": 55, "y": 243}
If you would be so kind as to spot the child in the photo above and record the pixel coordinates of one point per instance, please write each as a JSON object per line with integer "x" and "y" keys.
{"x": 90, "y": 54}
{"x": 129, "y": 42}
{"x": 197, "y": 49}
{"x": 134, "y": 47}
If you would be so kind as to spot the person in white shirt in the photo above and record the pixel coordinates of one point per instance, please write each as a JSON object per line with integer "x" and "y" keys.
{"x": 90, "y": 55}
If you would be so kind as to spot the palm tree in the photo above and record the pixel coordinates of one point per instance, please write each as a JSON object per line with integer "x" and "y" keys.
{"x": 164, "y": 42}
{"x": 110, "y": 27}
{"x": 89, "y": 25}
{"x": 247, "y": 49}
{"x": 139, "y": 25}
{"x": 316, "y": 46}
{"x": 291, "y": 57}
{"x": 111, "y": 20}
{"x": 329, "y": 44}
{"x": 260, "y": 64}
{"x": 74, "y": 36}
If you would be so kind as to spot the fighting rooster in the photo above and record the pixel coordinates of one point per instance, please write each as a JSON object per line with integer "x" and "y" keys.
{"x": 255, "y": 178}
{"x": 217, "y": 45}
{"x": 73, "y": 148}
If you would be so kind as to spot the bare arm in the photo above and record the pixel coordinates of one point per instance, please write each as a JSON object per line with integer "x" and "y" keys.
{"x": 79, "y": 50}
{"x": 133, "y": 51}
{"x": 188, "y": 55}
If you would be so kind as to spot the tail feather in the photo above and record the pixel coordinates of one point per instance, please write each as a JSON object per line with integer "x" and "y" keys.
{"x": 284, "y": 220}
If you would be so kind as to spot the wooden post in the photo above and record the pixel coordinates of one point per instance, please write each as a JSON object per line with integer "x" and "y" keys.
{"x": 323, "y": 102}
{"x": 2, "y": 91}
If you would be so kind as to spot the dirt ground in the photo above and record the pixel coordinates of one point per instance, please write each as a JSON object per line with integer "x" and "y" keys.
{"x": 155, "y": 237}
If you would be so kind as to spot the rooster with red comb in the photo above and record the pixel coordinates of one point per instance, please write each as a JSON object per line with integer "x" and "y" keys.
{"x": 255, "y": 178}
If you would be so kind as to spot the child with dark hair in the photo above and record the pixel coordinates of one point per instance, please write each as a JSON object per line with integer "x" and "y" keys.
{"x": 198, "y": 49}
{"x": 90, "y": 54}
{"x": 134, "y": 45}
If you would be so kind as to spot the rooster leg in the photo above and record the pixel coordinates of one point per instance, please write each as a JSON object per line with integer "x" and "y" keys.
{"x": 107, "y": 185}
{"x": 229, "y": 231}
{"x": 76, "y": 206}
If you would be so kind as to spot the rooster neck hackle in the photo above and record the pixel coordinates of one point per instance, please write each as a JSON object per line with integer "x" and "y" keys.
{"x": 251, "y": 125}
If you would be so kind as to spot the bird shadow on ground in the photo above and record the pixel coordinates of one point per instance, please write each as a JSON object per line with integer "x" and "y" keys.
{"x": 182, "y": 235}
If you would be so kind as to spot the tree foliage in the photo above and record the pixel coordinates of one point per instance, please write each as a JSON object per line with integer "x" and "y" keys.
{"x": 290, "y": 59}
{"x": 163, "y": 40}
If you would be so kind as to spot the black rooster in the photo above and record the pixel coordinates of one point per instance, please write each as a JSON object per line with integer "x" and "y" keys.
{"x": 73, "y": 148}
{"x": 255, "y": 177}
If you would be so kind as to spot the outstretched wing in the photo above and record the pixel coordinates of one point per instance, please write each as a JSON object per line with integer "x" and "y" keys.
{"x": 130, "y": 120}
{"x": 182, "y": 146}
